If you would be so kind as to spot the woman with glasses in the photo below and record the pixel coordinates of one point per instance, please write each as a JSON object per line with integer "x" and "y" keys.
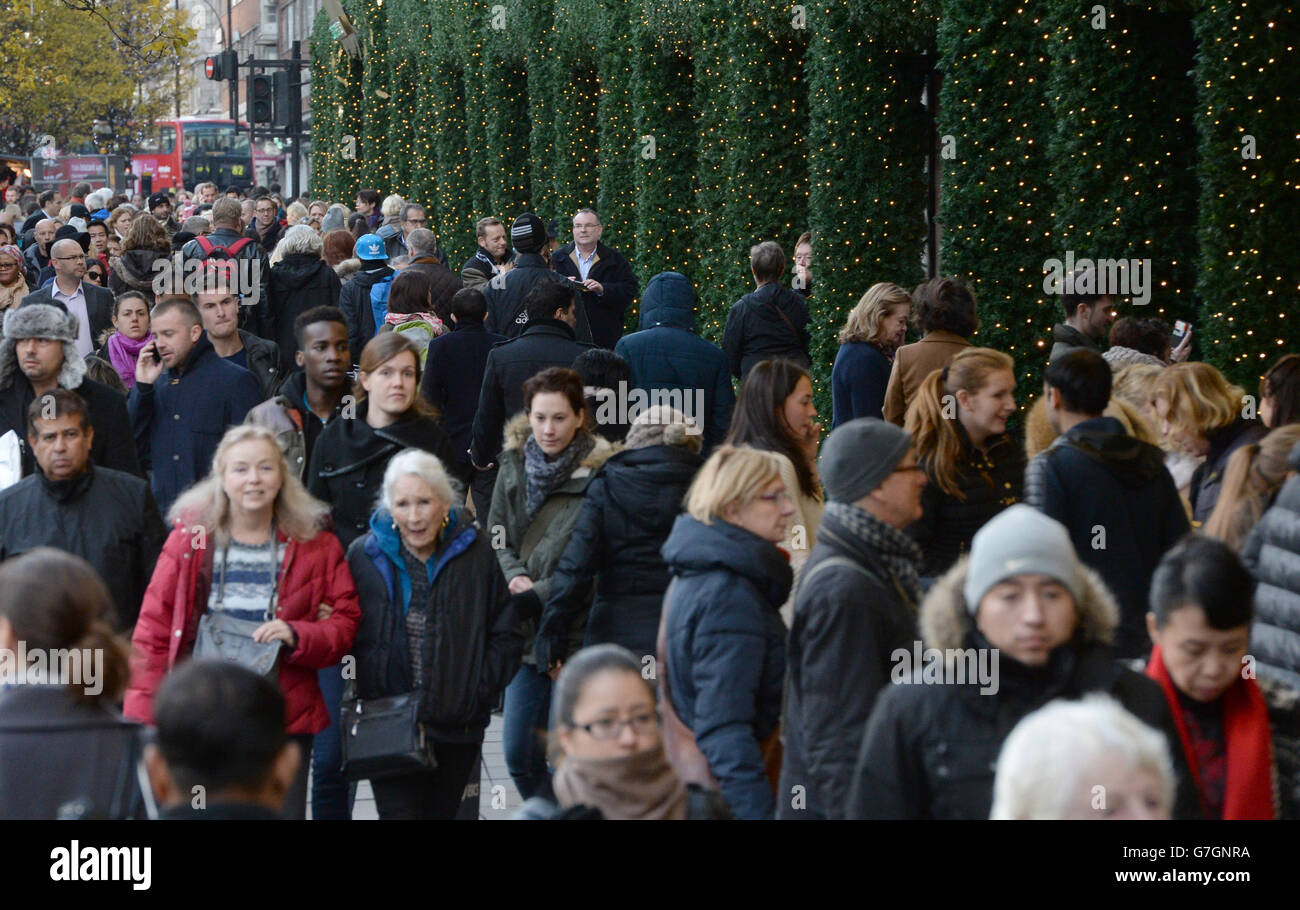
{"x": 435, "y": 621}
{"x": 722, "y": 642}
{"x": 606, "y": 746}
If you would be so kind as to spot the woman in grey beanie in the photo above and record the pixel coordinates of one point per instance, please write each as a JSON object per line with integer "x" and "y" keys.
{"x": 1012, "y": 626}
{"x": 626, "y": 516}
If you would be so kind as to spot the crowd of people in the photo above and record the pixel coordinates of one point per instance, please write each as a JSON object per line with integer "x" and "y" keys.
{"x": 329, "y": 511}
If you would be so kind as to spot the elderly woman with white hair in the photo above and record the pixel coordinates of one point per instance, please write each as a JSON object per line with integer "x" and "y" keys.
{"x": 435, "y": 620}
{"x": 300, "y": 280}
{"x": 1084, "y": 759}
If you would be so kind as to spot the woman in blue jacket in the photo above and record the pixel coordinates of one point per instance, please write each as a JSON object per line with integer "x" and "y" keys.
{"x": 875, "y": 329}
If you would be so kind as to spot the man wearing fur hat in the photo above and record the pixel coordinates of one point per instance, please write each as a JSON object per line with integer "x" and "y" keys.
{"x": 38, "y": 353}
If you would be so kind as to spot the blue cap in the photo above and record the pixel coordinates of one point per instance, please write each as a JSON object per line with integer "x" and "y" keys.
{"x": 371, "y": 246}
{"x": 101, "y": 215}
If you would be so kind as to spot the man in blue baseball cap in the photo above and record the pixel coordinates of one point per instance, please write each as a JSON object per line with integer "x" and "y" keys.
{"x": 364, "y": 299}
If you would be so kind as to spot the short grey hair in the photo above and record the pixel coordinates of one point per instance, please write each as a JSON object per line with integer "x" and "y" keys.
{"x": 406, "y": 209}
{"x": 586, "y": 211}
{"x": 195, "y": 224}
{"x": 421, "y": 241}
{"x": 767, "y": 260}
{"x": 301, "y": 238}
{"x": 1046, "y": 760}
{"x": 424, "y": 466}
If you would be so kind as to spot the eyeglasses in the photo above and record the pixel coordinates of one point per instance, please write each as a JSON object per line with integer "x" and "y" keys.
{"x": 68, "y": 258}
{"x": 610, "y": 728}
{"x": 420, "y": 221}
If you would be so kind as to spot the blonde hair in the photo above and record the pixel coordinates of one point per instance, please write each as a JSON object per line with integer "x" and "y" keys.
{"x": 866, "y": 320}
{"x": 935, "y": 435}
{"x": 1255, "y": 472}
{"x": 1132, "y": 386}
{"x": 297, "y": 513}
{"x": 392, "y": 205}
{"x": 294, "y": 213}
{"x": 733, "y": 475}
{"x": 1198, "y": 399}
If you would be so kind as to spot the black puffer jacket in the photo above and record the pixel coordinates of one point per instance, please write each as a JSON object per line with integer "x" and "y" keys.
{"x": 847, "y": 623}
{"x": 471, "y": 648}
{"x": 106, "y": 517}
{"x": 263, "y": 359}
{"x": 1096, "y": 476}
{"x": 628, "y": 512}
{"x": 930, "y": 751}
{"x": 990, "y": 481}
{"x": 354, "y": 301}
{"x": 1208, "y": 478}
{"x": 1272, "y": 553}
{"x": 766, "y": 323}
{"x": 348, "y": 462}
{"x": 299, "y": 282}
{"x": 505, "y": 297}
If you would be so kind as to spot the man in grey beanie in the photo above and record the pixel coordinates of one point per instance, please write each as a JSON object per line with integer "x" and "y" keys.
{"x": 856, "y": 603}
{"x": 38, "y": 353}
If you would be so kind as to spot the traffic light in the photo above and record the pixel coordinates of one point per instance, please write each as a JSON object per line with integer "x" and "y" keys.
{"x": 288, "y": 102}
{"x": 221, "y": 67}
{"x": 261, "y": 98}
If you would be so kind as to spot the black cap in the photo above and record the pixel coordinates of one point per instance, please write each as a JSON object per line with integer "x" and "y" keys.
{"x": 158, "y": 199}
{"x": 68, "y": 232}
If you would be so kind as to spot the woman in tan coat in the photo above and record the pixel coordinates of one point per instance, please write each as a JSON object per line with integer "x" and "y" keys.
{"x": 946, "y": 313}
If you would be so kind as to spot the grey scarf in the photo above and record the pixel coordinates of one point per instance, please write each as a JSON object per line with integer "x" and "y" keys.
{"x": 543, "y": 475}
{"x": 896, "y": 550}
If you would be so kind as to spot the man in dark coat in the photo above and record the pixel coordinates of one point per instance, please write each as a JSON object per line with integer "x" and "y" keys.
{"x": 182, "y": 403}
{"x": 365, "y": 291}
{"x": 855, "y": 605}
{"x": 547, "y": 342}
{"x": 453, "y": 374}
{"x": 37, "y": 252}
{"x": 91, "y": 304}
{"x": 506, "y": 293}
{"x": 492, "y": 257}
{"x": 228, "y": 241}
{"x": 104, "y": 516}
{"x": 266, "y": 228}
{"x": 37, "y": 355}
{"x": 770, "y": 321}
{"x": 1088, "y": 315}
{"x": 1111, "y": 491}
{"x": 605, "y": 276}
{"x": 299, "y": 282}
{"x": 931, "y": 744}
{"x": 219, "y": 309}
{"x": 666, "y": 355}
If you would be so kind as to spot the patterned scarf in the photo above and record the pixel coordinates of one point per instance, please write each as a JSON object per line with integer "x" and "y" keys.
{"x": 896, "y": 550}
{"x": 544, "y": 475}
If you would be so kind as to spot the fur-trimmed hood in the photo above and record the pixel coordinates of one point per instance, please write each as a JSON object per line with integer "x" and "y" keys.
{"x": 41, "y": 321}
{"x": 135, "y": 268}
{"x": 518, "y": 430}
{"x": 347, "y": 268}
{"x": 944, "y": 621}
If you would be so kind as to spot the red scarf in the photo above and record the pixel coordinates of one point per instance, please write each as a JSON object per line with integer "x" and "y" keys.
{"x": 1248, "y": 793}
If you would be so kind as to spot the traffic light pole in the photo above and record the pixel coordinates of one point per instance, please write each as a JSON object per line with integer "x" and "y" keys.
{"x": 283, "y": 106}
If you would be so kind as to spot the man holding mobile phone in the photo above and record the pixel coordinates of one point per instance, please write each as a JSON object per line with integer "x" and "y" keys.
{"x": 607, "y": 282}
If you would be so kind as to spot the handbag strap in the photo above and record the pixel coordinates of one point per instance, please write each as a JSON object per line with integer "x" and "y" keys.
{"x": 780, "y": 312}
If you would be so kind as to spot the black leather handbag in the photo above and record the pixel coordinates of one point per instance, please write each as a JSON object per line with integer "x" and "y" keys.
{"x": 382, "y": 737}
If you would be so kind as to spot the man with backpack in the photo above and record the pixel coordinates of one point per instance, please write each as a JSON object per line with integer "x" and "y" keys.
{"x": 227, "y": 242}
{"x": 364, "y": 299}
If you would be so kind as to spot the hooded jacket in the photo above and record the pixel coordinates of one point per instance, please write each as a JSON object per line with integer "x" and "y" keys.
{"x": 724, "y": 642}
{"x": 106, "y": 517}
{"x": 354, "y": 301}
{"x": 295, "y": 426}
{"x": 472, "y": 646}
{"x": 180, "y": 419}
{"x": 559, "y": 512}
{"x": 1119, "y": 504}
{"x": 312, "y": 572}
{"x": 347, "y": 465}
{"x": 134, "y": 271}
{"x": 769, "y": 322}
{"x": 299, "y": 282}
{"x": 614, "y": 272}
{"x": 629, "y": 510}
{"x": 930, "y": 750}
{"x": 506, "y": 294}
{"x": 113, "y": 446}
{"x": 667, "y": 356}
{"x": 848, "y": 621}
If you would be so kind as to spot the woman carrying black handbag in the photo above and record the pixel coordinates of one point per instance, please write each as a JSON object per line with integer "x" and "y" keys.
{"x": 436, "y": 622}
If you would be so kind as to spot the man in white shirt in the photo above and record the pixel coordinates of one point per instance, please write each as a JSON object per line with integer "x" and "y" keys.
{"x": 92, "y": 305}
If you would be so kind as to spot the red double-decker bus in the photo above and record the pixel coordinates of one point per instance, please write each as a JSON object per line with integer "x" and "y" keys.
{"x": 192, "y": 150}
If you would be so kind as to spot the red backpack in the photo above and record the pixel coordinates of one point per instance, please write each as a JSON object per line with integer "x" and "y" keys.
{"x": 212, "y": 251}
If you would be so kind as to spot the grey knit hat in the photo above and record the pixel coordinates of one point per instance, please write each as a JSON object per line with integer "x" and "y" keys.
{"x": 859, "y": 455}
{"x": 660, "y": 425}
{"x": 1020, "y": 540}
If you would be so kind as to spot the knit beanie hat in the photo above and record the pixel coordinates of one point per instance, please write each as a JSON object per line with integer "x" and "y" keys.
{"x": 660, "y": 425}
{"x": 1020, "y": 540}
{"x": 528, "y": 234}
{"x": 859, "y": 455}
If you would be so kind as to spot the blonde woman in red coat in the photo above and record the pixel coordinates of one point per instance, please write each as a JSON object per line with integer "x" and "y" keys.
{"x": 247, "y": 538}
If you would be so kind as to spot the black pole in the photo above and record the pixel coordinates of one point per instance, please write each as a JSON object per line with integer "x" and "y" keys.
{"x": 233, "y": 85}
{"x": 295, "y": 122}
{"x": 932, "y": 169}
